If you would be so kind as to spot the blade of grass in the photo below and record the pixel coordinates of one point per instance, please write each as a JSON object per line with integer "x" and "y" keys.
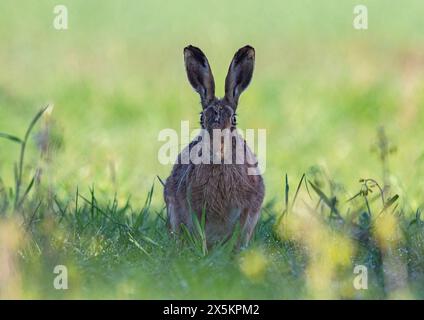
{"x": 27, "y": 190}
{"x": 389, "y": 203}
{"x": 324, "y": 198}
{"x": 160, "y": 180}
{"x": 286, "y": 198}
{"x": 10, "y": 137}
{"x": 137, "y": 244}
{"x": 33, "y": 216}
{"x": 22, "y": 153}
{"x": 298, "y": 189}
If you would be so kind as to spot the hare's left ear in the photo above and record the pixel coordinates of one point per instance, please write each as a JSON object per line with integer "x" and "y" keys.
{"x": 199, "y": 73}
{"x": 239, "y": 74}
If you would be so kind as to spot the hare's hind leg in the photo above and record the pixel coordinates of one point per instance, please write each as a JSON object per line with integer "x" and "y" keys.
{"x": 249, "y": 219}
{"x": 177, "y": 215}
{"x": 172, "y": 216}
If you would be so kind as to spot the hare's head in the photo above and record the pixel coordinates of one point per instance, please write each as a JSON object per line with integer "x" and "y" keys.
{"x": 219, "y": 113}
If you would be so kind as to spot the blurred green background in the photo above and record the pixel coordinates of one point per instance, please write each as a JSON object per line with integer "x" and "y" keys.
{"x": 116, "y": 78}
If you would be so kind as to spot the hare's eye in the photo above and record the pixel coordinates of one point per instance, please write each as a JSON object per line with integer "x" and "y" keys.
{"x": 234, "y": 120}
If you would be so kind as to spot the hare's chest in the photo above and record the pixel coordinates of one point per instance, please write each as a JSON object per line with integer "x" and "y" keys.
{"x": 219, "y": 188}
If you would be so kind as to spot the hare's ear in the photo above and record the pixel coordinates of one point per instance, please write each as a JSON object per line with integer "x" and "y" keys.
{"x": 239, "y": 74}
{"x": 199, "y": 73}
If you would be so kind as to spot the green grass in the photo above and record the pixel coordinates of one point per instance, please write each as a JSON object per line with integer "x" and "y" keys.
{"x": 321, "y": 89}
{"x": 115, "y": 250}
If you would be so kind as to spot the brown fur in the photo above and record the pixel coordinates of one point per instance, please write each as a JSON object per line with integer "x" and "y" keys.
{"x": 225, "y": 192}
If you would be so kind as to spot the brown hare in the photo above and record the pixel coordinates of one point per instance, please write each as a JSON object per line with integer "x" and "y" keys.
{"x": 226, "y": 191}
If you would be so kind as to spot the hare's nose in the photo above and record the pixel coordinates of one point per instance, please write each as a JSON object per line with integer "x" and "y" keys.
{"x": 216, "y": 115}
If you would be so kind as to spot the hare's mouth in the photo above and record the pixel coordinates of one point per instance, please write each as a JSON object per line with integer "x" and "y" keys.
{"x": 216, "y": 124}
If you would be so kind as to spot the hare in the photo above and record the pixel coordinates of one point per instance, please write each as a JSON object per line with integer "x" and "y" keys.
{"x": 228, "y": 193}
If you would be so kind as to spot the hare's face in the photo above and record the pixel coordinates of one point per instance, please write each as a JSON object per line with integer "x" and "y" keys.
{"x": 218, "y": 115}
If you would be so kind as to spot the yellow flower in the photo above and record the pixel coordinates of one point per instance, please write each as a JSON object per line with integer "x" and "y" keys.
{"x": 253, "y": 264}
{"x": 339, "y": 251}
{"x": 386, "y": 230}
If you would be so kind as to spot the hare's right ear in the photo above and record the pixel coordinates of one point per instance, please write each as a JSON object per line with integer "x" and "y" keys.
{"x": 239, "y": 74}
{"x": 199, "y": 73}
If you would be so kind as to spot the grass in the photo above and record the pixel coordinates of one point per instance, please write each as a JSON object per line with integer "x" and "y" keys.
{"x": 80, "y": 188}
{"x": 115, "y": 250}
